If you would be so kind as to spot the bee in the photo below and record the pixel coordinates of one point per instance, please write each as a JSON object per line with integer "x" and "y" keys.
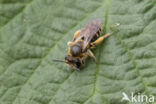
{"x": 84, "y": 40}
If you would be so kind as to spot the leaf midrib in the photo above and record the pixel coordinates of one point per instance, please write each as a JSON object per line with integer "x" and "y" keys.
{"x": 99, "y": 56}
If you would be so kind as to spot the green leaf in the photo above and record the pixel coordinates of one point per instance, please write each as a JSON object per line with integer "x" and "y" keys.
{"x": 33, "y": 32}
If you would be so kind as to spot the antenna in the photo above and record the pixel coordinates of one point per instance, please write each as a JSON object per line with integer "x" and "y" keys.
{"x": 55, "y": 60}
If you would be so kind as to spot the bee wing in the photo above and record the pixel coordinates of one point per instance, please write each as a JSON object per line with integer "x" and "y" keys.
{"x": 89, "y": 31}
{"x": 87, "y": 38}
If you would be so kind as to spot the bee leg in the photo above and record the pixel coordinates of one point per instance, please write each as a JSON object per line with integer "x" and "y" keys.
{"x": 77, "y": 69}
{"x": 77, "y": 34}
{"x": 99, "y": 40}
{"x": 89, "y": 52}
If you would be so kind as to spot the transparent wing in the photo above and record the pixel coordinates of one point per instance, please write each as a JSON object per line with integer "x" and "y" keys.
{"x": 89, "y": 31}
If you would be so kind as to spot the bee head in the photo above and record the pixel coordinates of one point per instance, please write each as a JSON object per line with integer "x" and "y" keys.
{"x": 73, "y": 62}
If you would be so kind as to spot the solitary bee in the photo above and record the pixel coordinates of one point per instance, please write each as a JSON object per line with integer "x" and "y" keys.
{"x": 84, "y": 40}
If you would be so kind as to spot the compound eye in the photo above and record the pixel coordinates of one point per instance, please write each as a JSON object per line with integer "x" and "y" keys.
{"x": 68, "y": 58}
{"x": 75, "y": 50}
{"x": 65, "y": 58}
